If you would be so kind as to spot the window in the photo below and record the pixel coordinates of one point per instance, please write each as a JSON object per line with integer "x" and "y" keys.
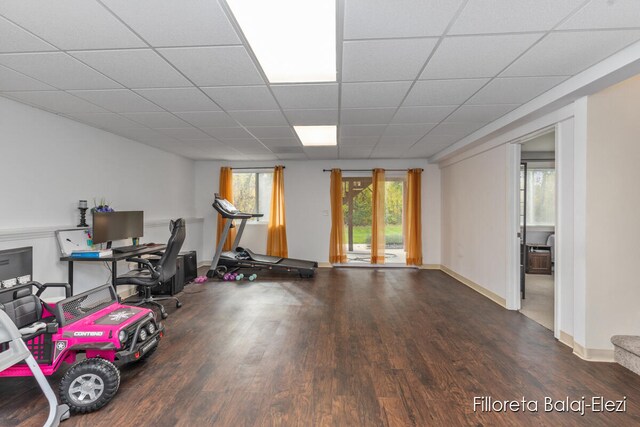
{"x": 252, "y": 192}
{"x": 541, "y": 196}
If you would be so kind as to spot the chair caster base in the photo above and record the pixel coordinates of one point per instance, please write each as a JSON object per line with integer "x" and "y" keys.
{"x": 178, "y": 304}
{"x": 164, "y": 315}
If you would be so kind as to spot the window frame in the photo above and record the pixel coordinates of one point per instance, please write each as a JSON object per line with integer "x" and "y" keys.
{"x": 531, "y": 168}
{"x": 256, "y": 207}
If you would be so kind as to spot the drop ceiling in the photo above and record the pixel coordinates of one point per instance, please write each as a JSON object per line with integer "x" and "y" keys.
{"x": 413, "y": 77}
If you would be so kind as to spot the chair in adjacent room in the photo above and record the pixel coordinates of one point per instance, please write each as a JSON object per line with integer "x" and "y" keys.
{"x": 153, "y": 274}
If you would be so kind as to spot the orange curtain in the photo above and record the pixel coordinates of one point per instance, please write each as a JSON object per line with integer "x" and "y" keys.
{"x": 337, "y": 253}
{"x": 413, "y": 237}
{"x": 277, "y": 232}
{"x": 377, "y": 228}
{"x": 226, "y": 192}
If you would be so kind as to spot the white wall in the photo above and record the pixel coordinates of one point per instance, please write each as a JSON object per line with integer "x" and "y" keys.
{"x": 474, "y": 218}
{"x": 479, "y": 208}
{"x": 307, "y": 205}
{"x": 613, "y": 205}
{"x": 49, "y": 162}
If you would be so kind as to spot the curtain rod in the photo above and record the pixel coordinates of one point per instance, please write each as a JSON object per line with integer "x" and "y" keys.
{"x": 369, "y": 170}
{"x": 257, "y": 167}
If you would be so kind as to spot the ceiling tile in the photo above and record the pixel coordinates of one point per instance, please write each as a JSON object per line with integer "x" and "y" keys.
{"x": 248, "y": 146}
{"x": 133, "y": 68}
{"x": 358, "y": 141}
{"x": 442, "y": 92}
{"x": 206, "y": 119}
{"x": 371, "y": 95}
{"x": 287, "y": 156}
{"x": 62, "y": 23}
{"x": 514, "y": 90}
{"x": 480, "y": 113}
{"x": 223, "y": 133}
{"x": 13, "y": 81}
{"x": 105, "y": 120}
{"x": 157, "y": 120}
{"x": 409, "y": 129}
{"x": 424, "y": 149}
{"x": 56, "y": 101}
{"x": 354, "y": 152}
{"x": 433, "y": 114}
{"x": 282, "y": 145}
{"x": 568, "y": 53}
{"x": 321, "y": 152}
{"x": 242, "y": 97}
{"x": 215, "y": 66}
{"x": 380, "y": 60}
{"x": 508, "y": 16}
{"x": 476, "y": 56}
{"x": 57, "y": 69}
{"x": 184, "y": 133}
{"x": 179, "y": 99}
{"x": 172, "y": 23}
{"x": 271, "y": 132}
{"x": 15, "y": 39}
{"x": 386, "y": 19}
{"x": 117, "y": 100}
{"x": 455, "y": 130}
{"x": 306, "y": 96}
{"x": 605, "y": 14}
{"x": 361, "y": 130}
{"x": 312, "y": 117}
{"x": 366, "y": 116}
{"x": 259, "y": 118}
{"x": 387, "y": 152}
{"x": 398, "y": 141}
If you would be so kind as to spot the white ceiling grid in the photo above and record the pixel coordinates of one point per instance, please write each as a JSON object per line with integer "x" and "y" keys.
{"x": 414, "y": 76}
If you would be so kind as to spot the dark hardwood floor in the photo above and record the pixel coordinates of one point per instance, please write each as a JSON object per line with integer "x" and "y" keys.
{"x": 352, "y": 347}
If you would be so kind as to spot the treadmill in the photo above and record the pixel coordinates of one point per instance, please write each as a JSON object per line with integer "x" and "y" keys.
{"x": 237, "y": 257}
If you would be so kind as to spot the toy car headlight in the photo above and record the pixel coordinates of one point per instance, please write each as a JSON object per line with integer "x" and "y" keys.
{"x": 151, "y": 328}
{"x": 122, "y": 336}
{"x": 142, "y": 335}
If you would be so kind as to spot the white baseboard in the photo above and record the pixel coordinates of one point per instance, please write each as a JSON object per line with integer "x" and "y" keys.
{"x": 593, "y": 354}
{"x": 476, "y": 287}
{"x": 566, "y": 339}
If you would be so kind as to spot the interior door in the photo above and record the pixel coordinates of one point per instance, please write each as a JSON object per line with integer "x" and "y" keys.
{"x": 523, "y": 227}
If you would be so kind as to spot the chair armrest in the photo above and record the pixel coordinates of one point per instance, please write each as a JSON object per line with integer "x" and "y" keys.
{"x": 147, "y": 265}
{"x": 143, "y": 261}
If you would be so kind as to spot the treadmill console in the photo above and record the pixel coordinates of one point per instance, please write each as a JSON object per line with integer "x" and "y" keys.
{"x": 227, "y": 210}
{"x": 227, "y": 206}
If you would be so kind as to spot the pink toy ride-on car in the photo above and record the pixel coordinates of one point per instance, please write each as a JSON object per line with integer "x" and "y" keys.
{"x": 93, "y": 324}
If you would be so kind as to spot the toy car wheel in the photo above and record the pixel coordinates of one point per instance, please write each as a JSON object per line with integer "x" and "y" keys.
{"x": 89, "y": 385}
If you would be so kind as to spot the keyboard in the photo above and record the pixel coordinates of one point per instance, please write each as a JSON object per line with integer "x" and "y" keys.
{"x": 131, "y": 248}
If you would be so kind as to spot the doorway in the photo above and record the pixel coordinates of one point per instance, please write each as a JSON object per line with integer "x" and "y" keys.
{"x": 358, "y": 211}
{"x": 537, "y": 206}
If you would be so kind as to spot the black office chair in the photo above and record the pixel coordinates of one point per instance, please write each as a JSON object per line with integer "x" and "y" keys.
{"x": 153, "y": 274}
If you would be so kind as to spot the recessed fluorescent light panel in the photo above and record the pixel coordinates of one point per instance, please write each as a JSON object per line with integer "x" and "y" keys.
{"x": 294, "y": 40}
{"x": 315, "y": 136}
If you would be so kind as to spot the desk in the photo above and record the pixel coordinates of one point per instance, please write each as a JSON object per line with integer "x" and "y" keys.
{"x": 113, "y": 259}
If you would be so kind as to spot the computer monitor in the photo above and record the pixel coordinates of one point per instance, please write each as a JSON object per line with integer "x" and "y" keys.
{"x": 111, "y": 226}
